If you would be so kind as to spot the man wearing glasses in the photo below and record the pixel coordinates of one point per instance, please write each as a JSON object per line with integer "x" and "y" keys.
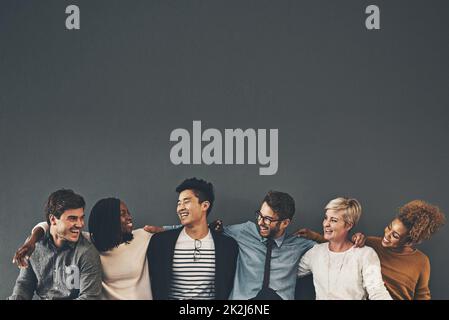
{"x": 268, "y": 257}
{"x": 192, "y": 262}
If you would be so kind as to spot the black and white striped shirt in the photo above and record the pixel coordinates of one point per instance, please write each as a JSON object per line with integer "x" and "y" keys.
{"x": 193, "y": 275}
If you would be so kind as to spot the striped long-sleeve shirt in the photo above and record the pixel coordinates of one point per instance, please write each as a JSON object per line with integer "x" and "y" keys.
{"x": 193, "y": 268}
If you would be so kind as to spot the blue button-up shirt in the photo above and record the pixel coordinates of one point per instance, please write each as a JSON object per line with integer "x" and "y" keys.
{"x": 251, "y": 261}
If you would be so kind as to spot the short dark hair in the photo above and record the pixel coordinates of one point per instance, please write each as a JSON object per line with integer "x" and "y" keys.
{"x": 60, "y": 201}
{"x": 202, "y": 189}
{"x": 281, "y": 203}
{"x": 104, "y": 225}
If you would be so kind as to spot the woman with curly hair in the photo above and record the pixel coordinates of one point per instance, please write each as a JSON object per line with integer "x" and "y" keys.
{"x": 405, "y": 269}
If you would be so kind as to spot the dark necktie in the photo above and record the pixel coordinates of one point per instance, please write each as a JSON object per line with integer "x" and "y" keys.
{"x": 266, "y": 274}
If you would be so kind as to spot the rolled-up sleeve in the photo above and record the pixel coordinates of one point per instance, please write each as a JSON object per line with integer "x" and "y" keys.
{"x": 43, "y": 225}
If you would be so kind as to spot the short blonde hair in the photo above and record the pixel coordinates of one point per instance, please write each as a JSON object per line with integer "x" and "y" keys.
{"x": 352, "y": 210}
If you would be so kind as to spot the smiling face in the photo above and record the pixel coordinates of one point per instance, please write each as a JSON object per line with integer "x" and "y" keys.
{"x": 68, "y": 226}
{"x": 334, "y": 226}
{"x": 126, "y": 220}
{"x": 269, "y": 224}
{"x": 190, "y": 211}
{"x": 395, "y": 235}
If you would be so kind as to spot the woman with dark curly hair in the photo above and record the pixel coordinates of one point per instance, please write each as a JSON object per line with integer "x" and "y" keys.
{"x": 405, "y": 269}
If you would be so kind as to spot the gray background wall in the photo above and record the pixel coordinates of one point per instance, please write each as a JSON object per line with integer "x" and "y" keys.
{"x": 359, "y": 113}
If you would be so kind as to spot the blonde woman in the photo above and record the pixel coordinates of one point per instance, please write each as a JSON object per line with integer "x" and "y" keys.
{"x": 340, "y": 270}
{"x": 405, "y": 269}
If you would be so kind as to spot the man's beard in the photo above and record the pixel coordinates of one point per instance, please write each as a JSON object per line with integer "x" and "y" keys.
{"x": 272, "y": 231}
{"x": 65, "y": 236}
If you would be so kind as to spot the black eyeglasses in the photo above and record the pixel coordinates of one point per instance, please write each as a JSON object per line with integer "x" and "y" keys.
{"x": 266, "y": 220}
{"x": 196, "y": 251}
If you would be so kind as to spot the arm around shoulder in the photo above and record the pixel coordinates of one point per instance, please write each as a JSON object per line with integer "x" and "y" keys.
{"x": 234, "y": 230}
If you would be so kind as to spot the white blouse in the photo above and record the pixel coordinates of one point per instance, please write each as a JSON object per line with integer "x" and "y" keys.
{"x": 354, "y": 274}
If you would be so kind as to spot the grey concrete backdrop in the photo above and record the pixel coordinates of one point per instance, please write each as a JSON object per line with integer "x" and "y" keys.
{"x": 360, "y": 113}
